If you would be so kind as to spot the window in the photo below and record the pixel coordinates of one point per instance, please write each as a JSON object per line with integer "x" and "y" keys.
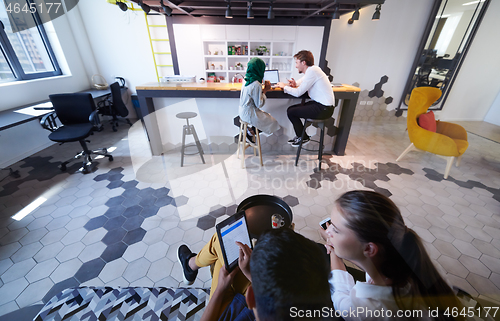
{"x": 25, "y": 54}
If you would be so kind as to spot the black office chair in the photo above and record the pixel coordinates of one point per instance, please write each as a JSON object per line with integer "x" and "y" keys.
{"x": 78, "y": 119}
{"x": 114, "y": 107}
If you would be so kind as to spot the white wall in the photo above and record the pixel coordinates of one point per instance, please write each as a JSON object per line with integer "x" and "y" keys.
{"x": 119, "y": 41}
{"x": 366, "y": 50}
{"x": 493, "y": 115}
{"x": 478, "y": 82}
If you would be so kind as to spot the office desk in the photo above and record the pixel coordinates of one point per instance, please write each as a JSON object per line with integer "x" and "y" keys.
{"x": 23, "y": 114}
{"x": 147, "y": 92}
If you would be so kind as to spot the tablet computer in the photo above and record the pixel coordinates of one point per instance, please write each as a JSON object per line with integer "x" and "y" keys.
{"x": 234, "y": 228}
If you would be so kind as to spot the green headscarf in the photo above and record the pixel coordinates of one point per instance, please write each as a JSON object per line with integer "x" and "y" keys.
{"x": 255, "y": 70}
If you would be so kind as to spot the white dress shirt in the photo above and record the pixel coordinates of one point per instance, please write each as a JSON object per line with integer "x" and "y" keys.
{"x": 317, "y": 85}
{"x": 366, "y": 301}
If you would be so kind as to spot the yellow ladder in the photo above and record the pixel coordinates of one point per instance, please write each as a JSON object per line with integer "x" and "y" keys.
{"x": 160, "y": 45}
{"x": 158, "y": 38}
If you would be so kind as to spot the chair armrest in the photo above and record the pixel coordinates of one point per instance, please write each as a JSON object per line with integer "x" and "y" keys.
{"x": 451, "y": 130}
{"x": 435, "y": 143}
{"x": 104, "y": 106}
{"x": 48, "y": 121}
{"x": 95, "y": 121}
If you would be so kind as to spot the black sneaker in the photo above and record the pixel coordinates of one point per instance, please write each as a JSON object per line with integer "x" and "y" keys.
{"x": 292, "y": 140}
{"x": 296, "y": 143}
{"x": 183, "y": 256}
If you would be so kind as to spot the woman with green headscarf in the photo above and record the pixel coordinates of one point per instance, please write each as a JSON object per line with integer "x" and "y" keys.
{"x": 253, "y": 97}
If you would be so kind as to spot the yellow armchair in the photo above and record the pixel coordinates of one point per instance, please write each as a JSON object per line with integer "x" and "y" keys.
{"x": 449, "y": 141}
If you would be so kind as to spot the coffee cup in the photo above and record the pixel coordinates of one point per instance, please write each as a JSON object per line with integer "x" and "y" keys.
{"x": 277, "y": 221}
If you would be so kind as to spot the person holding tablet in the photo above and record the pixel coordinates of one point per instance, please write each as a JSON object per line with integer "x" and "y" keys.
{"x": 276, "y": 291}
{"x": 253, "y": 98}
{"x": 316, "y": 84}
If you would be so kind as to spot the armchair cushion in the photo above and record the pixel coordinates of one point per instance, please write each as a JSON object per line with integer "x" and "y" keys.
{"x": 427, "y": 121}
{"x": 451, "y": 130}
{"x": 461, "y": 145}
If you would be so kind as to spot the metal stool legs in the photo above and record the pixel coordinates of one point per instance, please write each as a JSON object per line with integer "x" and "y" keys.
{"x": 321, "y": 125}
{"x": 189, "y": 130}
{"x": 243, "y": 145}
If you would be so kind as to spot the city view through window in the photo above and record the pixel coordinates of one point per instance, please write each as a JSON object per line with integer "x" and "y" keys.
{"x": 25, "y": 49}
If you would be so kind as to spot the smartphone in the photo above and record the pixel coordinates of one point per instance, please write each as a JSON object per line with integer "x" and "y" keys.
{"x": 323, "y": 222}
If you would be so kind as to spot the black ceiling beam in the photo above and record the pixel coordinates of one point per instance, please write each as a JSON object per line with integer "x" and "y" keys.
{"x": 322, "y": 9}
{"x": 155, "y": 5}
{"x": 235, "y": 6}
{"x": 289, "y": 8}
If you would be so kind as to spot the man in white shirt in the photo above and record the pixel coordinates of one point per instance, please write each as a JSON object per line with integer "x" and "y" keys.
{"x": 316, "y": 84}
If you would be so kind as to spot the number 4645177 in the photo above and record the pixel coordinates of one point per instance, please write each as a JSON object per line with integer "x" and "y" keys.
{"x": 46, "y": 7}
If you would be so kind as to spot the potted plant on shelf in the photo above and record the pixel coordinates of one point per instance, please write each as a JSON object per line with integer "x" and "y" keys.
{"x": 239, "y": 66}
{"x": 261, "y": 50}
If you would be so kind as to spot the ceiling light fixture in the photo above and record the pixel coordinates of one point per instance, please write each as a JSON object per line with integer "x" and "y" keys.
{"x": 250, "y": 11}
{"x": 122, "y": 5}
{"x": 376, "y": 14}
{"x": 144, "y": 6}
{"x": 336, "y": 13}
{"x": 229, "y": 12}
{"x": 270, "y": 13}
{"x": 166, "y": 9}
{"x": 355, "y": 15}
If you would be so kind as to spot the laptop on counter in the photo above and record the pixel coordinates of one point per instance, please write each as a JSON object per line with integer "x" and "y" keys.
{"x": 273, "y": 76}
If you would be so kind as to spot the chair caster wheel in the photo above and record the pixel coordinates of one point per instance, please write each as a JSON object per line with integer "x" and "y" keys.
{"x": 63, "y": 168}
{"x": 110, "y": 158}
{"x": 114, "y": 129}
{"x": 86, "y": 169}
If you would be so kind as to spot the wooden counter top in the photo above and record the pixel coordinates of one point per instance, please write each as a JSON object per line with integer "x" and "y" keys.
{"x": 219, "y": 87}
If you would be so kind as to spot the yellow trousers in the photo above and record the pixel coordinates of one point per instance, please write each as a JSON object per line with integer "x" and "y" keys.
{"x": 211, "y": 255}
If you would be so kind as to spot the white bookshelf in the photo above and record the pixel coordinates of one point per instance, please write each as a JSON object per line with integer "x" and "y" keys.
{"x": 194, "y": 42}
{"x": 218, "y": 61}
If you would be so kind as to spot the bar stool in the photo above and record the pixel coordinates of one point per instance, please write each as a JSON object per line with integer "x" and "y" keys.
{"x": 188, "y": 129}
{"x": 243, "y": 144}
{"x": 321, "y": 125}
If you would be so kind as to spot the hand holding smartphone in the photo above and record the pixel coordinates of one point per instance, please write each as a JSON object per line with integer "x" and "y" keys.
{"x": 323, "y": 223}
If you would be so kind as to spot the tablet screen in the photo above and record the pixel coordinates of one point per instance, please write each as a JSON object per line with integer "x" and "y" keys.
{"x": 231, "y": 230}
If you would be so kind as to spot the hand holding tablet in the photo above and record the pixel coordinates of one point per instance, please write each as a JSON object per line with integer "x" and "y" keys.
{"x": 244, "y": 260}
{"x": 232, "y": 230}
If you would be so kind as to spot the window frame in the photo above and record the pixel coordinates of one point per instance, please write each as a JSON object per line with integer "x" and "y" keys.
{"x": 13, "y": 60}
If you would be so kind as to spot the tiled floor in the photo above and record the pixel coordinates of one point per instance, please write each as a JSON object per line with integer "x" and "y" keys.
{"x": 122, "y": 224}
{"x": 483, "y": 129}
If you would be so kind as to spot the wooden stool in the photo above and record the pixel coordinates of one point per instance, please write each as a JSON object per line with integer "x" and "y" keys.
{"x": 189, "y": 130}
{"x": 243, "y": 144}
{"x": 321, "y": 125}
